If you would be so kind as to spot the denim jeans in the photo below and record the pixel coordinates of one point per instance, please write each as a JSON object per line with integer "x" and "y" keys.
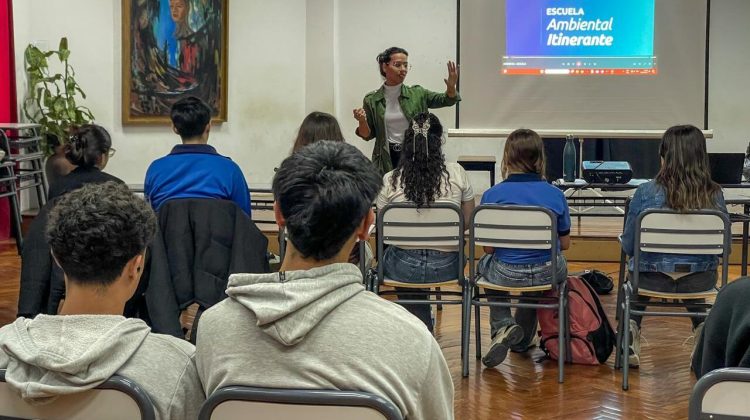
{"x": 419, "y": 266}
{"x": 659, "y": 282}
{"x": 517, "y": 275}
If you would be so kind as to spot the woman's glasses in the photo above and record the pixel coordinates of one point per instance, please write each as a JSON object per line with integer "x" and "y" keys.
{"x": 400, "y": 65}
{"x": 111, "y": 152}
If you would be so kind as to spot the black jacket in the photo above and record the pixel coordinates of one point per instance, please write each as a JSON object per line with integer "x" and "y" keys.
{"x": 206, "y": 240}
{"x": 77, "y": 178}
{"x": 42, "y": 283}
{"x": 725, "y": 341}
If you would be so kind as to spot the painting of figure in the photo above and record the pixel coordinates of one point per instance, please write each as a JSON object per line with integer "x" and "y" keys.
{"x": 172, "y": 49}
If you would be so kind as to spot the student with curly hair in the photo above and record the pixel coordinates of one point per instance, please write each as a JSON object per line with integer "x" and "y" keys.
{"x": 98, "y": 234}
{"x": 424, "y": 177}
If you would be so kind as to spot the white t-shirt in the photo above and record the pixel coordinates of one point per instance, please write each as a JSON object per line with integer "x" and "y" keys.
{"x": 459, "y": 190}
{"x": 395, "y": 120}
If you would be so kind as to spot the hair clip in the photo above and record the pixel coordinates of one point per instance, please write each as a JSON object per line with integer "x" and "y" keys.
{"x": 423, "y": 130}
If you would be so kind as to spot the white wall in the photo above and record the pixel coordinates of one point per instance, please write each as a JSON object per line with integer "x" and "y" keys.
{"x": 266, "y": 79}
{"x": 729, "y": 96}
{"x": 289, "y": 57}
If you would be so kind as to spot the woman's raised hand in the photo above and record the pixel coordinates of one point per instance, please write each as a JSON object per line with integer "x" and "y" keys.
{"x": 452, "y": 79}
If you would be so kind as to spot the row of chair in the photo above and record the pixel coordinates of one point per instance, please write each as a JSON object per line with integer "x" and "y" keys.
{"x": 658, "y": 230}
{"x": 719, "y": 394}
{"x": 120, "y": 398}
{"x": 403, "y": 224}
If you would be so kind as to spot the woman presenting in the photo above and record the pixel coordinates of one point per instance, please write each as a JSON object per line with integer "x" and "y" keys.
{"x": 386, "y": 112}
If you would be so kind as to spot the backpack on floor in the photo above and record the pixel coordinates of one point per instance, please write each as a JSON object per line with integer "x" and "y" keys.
{"x": 591, "y": 336}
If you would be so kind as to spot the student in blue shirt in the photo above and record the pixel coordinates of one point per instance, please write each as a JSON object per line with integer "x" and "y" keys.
{"x": 194, "y": 169}
{"x": 683, "y": 183}
{"x": 524, "y": 184}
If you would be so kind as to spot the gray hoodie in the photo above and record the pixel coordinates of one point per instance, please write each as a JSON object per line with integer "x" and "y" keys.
{"x": 319, "y": 329}
{"x": 49, "y": 356}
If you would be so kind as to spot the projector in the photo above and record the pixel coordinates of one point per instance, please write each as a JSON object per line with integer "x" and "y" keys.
{"x": 601, "y": 172}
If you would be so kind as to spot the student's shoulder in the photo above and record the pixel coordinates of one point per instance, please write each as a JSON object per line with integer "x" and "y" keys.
{"x": 389, "y": 315}
{"x": 169, "y": 344}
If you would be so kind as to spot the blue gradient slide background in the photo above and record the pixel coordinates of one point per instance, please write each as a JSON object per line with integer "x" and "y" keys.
{"x": 632, "y": 30}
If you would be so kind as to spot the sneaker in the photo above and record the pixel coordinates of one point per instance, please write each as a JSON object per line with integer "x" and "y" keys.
{"x": 634, "y": 355}
{"x": 535, "y": 340}
{"x": 502, "y": 341}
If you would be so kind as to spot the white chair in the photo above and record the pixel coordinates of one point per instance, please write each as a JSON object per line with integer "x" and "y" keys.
{"x": 520, "y": 227}
{"x": 721, "y": 394}
{"x": 118, "y": 398}
{"x": 699, "y": 232}
{"x": 241, "y": 402}
{"x": 439, "y": 225}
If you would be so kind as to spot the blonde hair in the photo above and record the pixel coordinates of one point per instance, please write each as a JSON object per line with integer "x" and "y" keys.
{"x": 524, "y": 152}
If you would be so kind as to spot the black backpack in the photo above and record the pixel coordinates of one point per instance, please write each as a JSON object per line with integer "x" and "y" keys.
{"x": 599, "y": 281}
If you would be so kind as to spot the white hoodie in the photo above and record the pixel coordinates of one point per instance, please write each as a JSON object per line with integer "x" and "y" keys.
{"x": 319, "y": 329}
{"x": 49, "y": 356}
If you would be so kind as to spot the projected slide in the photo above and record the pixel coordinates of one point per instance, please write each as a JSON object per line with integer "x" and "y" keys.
{"x": 579, "y": 37}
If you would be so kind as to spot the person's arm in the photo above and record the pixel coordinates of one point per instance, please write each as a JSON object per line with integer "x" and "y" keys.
{"x": 452, "y": 80}
{"x": 365, "y": 117}
{"x": 565, "y": 242}
{"x": 450, "y": 96}
{"x": 467, "y": 207}
{"x": 467, "y": 196}
{"x": 435, "y": 396}
{"x": 563, "y": 224}
{"x": 382, "y": 199}
{"x": 188, "y": 397}
{"x": 628, "y": 232}
{"x": 240, "y": 191}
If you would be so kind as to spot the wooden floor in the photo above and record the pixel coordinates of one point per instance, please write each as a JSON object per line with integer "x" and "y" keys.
{"x": 522, "y": 387}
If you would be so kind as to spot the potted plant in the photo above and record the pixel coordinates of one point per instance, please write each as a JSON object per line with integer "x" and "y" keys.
{"x": 51, "y": 100}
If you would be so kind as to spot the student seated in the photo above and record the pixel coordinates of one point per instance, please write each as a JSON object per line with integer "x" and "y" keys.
{"x": 317, "y": 126}
{"x": 725, "y": 341}
{"x": 98, "y": 234}
{"x": 312, "y": 325}
{"x": 194, "y": 169}
{"x": 683, "y": 183}
{"x": 523, "y": 168}
{"x": 88, "y": 150}
{"x": 423, "y": 177}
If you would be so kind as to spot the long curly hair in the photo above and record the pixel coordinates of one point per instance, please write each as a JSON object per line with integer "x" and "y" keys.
{"x": 421, "y": 172}
{"x": 685, "y": 173}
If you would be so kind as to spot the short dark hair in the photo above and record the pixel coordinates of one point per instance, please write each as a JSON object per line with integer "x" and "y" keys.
{"x": 324, "y": 191}
{"x": 87, "y": 144}
{"x": 385, "y": 57}
{"x": 317, "y": 126}
{"x": 190, "y": 117}
{"x": 95, "y": 230}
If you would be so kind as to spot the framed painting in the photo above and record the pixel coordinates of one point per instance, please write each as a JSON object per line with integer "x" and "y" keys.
{"x": 172, "y": 49}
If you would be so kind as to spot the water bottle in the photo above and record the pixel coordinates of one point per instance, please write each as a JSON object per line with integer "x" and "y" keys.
{"x": 569, "y": 160}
